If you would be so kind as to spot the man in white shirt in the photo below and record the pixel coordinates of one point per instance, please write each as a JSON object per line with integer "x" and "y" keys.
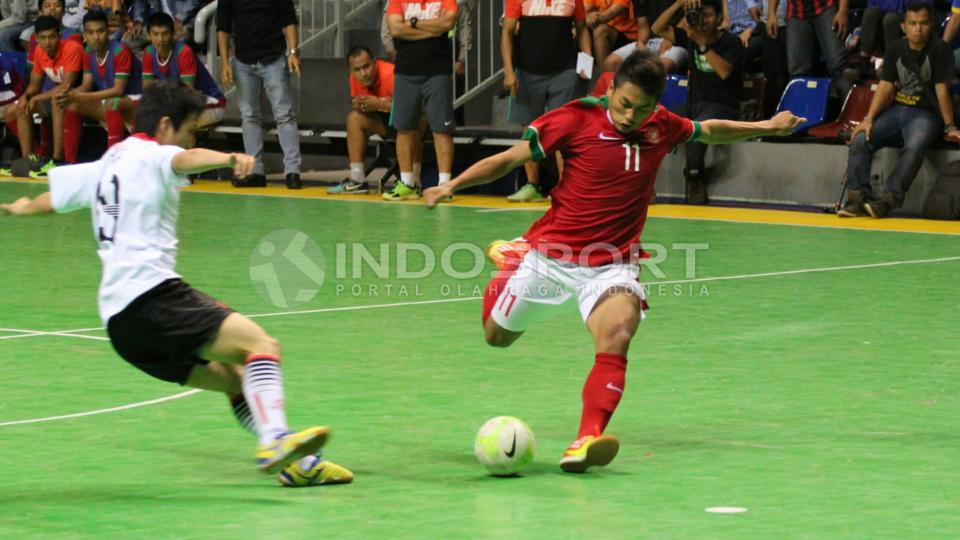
{"x": 157, "y": 322}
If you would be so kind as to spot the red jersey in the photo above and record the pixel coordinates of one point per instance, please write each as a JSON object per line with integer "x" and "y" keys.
{"x": 154, "y": 69}
{"x": 122, "y": 63}
{"x": 65, "y": 35}
{"x": 600, "y": 205}
{"x": 381, "y": 88}
{"x": 69, "y": 59}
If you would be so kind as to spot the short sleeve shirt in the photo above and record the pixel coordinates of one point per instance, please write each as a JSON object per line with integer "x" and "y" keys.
{"x": 382, "y": 88}
{"x": 69, "y": 59}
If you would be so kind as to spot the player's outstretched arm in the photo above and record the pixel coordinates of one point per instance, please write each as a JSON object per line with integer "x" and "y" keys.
{"x": 729, "y": 131}
{"x": 25, "y": 206}
{"x": 482, "y": 172}
{"x": 198, "y": 160}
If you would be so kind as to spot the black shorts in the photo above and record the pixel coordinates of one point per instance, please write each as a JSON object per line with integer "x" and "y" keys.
{"x": 162, "y": 330}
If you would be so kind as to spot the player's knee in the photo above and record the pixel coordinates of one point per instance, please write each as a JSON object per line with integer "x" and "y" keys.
{"x": 266, "y": 345}
{"x": 618, "y": 334}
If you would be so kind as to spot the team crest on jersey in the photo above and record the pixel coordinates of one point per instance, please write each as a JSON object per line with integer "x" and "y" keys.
{"x": 652, "y": 134}
{"x": 558, "y": 8}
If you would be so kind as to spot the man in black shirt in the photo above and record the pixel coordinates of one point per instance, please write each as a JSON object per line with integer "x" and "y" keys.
{"x": 265, "y": 45}
{"x": 716, "y": 75}
{"x": 916, "y": 75}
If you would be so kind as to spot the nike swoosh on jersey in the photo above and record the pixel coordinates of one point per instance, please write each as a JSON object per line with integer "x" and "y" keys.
{"x": 606, "y": 137}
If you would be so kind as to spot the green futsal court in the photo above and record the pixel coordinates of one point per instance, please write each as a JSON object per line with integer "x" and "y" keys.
{"x": 808, "y": 375}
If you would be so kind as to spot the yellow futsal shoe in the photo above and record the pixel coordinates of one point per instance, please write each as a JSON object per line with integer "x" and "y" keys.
{"x": 288, "y": 448}
{"x": 321, "y": 472}
{"x": 589, "y": 451}
{"x": 505, "y": 253}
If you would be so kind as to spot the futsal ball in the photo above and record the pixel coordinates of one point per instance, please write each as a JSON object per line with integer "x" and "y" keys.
{"x": 505, "y": 445}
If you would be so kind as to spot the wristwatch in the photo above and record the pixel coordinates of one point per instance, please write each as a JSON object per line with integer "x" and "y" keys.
{"x": 704, "y": 49}
{"x": 293, "y": 52}
{"x": 413, "y": 22}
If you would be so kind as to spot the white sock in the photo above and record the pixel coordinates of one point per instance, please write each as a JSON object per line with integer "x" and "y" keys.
{"x": 356, "y": 173}
{"x": 407, "y": 178}
{"x": 416, "y": 172}
{"x": 263, "y": 390}
{"x": 443, "y": 178}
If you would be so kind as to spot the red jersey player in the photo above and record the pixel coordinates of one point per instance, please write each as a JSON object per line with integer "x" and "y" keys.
{"x": 587, "y": 245}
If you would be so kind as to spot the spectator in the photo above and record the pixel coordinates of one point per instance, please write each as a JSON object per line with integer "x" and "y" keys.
{"x": 774, "y": 53}
{"x": 265, "y": 41}
{"x": 11, "y": 84}
{"x": 950, "y": 32}
{"x": 423, "y": 79}
{"x": 545, "y": 75}
{"x": 881, "y": 17}
{"x": 18, "y": 15}
{"x": 810, "y": 22}
{"x": 916, "y": 76}
{"x": 465, "y": 9}
{"x": 744, "y": 19}
{"x": 371, "y": 100}
{"x": 56, "y": 69}
{"x": 55, "y": 9}
{"x": 672, "y": 57}
{"x": 111, "y": 83}
{"x": 167, "y": 59}
{"x": 716, "y": 76}
{"x": 184, "y": 12}
{"x": 613, "y": 24}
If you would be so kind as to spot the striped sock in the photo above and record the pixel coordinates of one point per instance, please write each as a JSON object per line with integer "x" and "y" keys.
{"x": 241, "y": 411}
{"x": 263, "y": 391}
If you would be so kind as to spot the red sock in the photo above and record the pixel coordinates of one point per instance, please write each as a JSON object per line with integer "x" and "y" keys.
{"x": 45, "y": 145}
{"x": 12, "y": 126}
{"x": 71, "y": 135}
{"x": 115, "y": 128}
{"x": 602, "y": 392}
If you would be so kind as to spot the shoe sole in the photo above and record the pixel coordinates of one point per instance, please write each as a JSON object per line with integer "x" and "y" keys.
{"x": 306, "y": 448}
{"x": 599, "y": 454}
{"x": 404, "y": 198}
{"x": 354, "y": 192}
{"x": 873, "y": 213}
{"x": 845, "y": 214}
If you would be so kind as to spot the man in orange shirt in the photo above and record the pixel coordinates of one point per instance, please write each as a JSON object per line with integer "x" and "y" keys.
{"x": 56, "y": 69}
{"x": 371, "y": 104}
{"x": 613, "y": 24}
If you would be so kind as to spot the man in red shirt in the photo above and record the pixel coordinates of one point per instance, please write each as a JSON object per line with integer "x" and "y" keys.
{"x": 56, "y": 69}
{"x": 587, "y": 244}
{"x": 371, "y": 102}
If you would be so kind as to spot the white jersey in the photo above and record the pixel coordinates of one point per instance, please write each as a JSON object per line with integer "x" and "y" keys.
{"x": 134, "y": 197}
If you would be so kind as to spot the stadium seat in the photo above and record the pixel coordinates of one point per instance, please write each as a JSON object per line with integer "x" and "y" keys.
{"x": 751, "y": 100}
{"x": 855, "y": 107}
{"x": 806, "y": 97}
{"x": 675, "y": 92}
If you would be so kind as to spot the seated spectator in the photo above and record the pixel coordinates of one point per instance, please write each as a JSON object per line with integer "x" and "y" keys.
{"x": 55, "y": 9}
{"x": 916, "y": 78}
{"x": 169, "y": 59}
{"x": 18, "y": 15}
{"x": 182, "y": 12}
{"x": 111, "y": 84}
{"x": 56, "y": 69}
{"x": 716, "y": 77}
{"x": 950, "y": 32}
{"x": 11, "y": 84}
{"x": 371, "y": 100}
{"x": 744, "y": 19}
{"x": 672, "y": 57}
{"x": 880, "y": 26}
{"x": 613, "y": 25}
{"x": 811, "y": 22}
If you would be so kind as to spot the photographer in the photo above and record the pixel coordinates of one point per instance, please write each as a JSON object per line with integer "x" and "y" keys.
{"x": 716, "y": 75}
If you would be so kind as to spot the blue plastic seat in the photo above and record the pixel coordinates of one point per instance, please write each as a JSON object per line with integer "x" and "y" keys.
{"x": 675, "y": 92}
{"x": 806, "y": 97}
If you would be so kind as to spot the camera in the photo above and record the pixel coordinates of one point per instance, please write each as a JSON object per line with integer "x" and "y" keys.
{"x": 693, "y": 17}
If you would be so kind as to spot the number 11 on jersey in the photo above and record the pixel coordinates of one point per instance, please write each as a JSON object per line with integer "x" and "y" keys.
{"x": 635, "y": 150}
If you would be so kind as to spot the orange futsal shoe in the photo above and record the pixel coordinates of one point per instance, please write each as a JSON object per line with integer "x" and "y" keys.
{"x": 589, "y": 451}
{"x": 505, "y": 253}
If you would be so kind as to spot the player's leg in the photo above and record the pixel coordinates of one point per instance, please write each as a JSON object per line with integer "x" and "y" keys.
{"x": 526, "y": 106}
{"x": 73, "y": 125}
{"x": 24, "y": 123}
{"x": 57, "y": 119}
{"x": 438, "y": 106}
{"x": 359, "y": 128}
{"x": 407, "y": 107}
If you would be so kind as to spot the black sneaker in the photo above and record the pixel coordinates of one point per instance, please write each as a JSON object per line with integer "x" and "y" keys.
{"x": 293, "y": 181}
{"x": 253, "y": 180}
{"x": 882, "y": 206}
{"x": 854, "y": 206}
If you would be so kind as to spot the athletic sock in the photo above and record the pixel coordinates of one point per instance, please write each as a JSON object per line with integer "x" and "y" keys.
{"x": 602, "y": 392}
{"x": 71, "y": 135}
{"x": 417, "y": 167}
{"x": 356, "y": 173}
{"x": 12, "y": 126}
{"x": 443, "y": 178}
{"x": 407, "y": 178}
{"x": 241, "y": 411}
{"x": 263, "y": 390}
{"x": 45, "y": 146}
{"x": 115, "y": 127}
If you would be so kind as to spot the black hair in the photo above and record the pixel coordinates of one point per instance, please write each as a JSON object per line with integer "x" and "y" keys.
{"x": 643, "y": 69}
{"x": 915, "y": 5}
{"x": 160, "y": 19}
{"x": 63, "y": 4}
{"x": 171, "y": 99}
{"x": 95, "y": 16}
{"x": 715, "y": 4}
{"x": 357, "y": 50}
{"x": 44, "y": 23}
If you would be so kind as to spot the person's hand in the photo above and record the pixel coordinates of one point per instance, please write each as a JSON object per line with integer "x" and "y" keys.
{"x": 459, "y": 68}
{"x": 293, "y": 63}
{"x": 784, "y": 123}
{"x": 690, "y": 5}
{"x": 952, "y": 135}
{"x": 362, "y": 103}
{"x": 17, "y": 207}
{"x": 433, "y": 195}
{"x": 865, "y": 127}
{"x": 24, "y": 105}
{"x": 226, "y": 74}
{"x": 66, "y": 98}
{"x": 840, "y": 24}
{"x": 745, "y": 36}
{"x": 773, "y": 25}
{"x": 510, "y": 83}
{"x": 665, "y": 46}
{"x": 242, "y": 165}
{"x": 593, "y": 19}
{"x": 696, "y": 35}
{"x": 355, "y": 103}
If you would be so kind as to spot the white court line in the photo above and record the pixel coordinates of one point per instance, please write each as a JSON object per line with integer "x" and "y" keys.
{"x": 102, "y": 411}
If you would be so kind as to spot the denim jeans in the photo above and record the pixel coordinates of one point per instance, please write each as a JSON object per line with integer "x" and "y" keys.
{"x": 914, "y": 127}
{"x": 275, "y": 77}
{"x": 804, "y": 34}
{"x": 699, "y": 111}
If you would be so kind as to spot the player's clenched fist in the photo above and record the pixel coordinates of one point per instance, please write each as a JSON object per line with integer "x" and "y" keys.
{"x": 242, "y": 164}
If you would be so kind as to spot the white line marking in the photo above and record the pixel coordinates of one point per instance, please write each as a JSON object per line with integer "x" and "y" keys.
{"x": 102, "y": 411}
